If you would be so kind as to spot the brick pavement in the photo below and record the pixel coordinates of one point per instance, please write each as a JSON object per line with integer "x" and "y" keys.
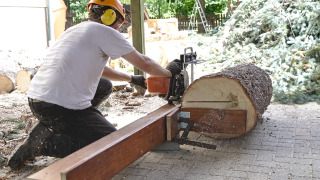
{"x": 284, "y": 145}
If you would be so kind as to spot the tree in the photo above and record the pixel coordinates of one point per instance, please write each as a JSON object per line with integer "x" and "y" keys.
{"x": 158, "y": 8}
{"x": 80, "y": 8}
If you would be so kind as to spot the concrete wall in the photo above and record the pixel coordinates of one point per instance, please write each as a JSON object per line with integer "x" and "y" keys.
{"x": 23, "y": 24}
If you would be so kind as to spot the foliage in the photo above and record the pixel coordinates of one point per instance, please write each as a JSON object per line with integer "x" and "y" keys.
{"x": 215, "y": 6}
{"x": 157, "y": 8}
{"x": 184, "y": 7}
{"x": 80, "y": 8}
{"x": 281, "y": 37}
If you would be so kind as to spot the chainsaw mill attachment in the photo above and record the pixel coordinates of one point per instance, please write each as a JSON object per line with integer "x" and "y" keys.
{"x": 179, "y": 83}
{"x": 187, "y": 125}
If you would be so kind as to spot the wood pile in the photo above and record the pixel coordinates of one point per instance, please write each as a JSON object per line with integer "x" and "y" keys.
{"x": 22, "y": 81}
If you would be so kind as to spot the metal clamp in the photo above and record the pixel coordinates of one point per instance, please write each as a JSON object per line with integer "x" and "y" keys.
{"x": 183, "y": 139}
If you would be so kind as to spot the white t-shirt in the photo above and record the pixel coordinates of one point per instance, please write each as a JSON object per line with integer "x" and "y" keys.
{"x": 70, "y": 73}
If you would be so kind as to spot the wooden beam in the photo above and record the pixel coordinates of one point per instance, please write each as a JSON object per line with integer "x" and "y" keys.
{"x": 137, "y": 22}
{"x": 217, "y": 120}
{"x": 108, "y": 156}
{"x": 208, "y": 121}
{"x": 172, "y": 124}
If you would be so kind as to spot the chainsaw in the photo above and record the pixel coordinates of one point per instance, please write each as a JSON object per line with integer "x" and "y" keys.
{"x": 172, "y": 89}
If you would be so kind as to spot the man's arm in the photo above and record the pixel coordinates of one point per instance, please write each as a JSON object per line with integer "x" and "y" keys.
{"x": 145, "y": 64}
{"x": 115, "y": 75}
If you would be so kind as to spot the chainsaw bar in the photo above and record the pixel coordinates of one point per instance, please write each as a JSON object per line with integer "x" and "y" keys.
{"x": 195, "y": 143}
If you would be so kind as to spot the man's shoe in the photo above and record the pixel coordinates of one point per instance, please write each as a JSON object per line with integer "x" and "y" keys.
{"x": 31, "y": 147}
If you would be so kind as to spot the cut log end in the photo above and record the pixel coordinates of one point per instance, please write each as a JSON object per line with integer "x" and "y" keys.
{"x": 6, "y": 84}
{"x": 23, "y": 79}
{"x": 244, "y": 87}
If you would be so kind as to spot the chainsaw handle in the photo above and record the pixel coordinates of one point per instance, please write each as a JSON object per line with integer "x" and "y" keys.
{"x": 170, "y": 89}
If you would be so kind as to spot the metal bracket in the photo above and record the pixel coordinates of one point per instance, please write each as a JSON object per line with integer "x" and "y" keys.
{"x": 183, "y": 139}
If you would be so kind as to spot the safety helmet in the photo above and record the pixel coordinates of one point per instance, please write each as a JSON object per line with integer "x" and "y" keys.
{"x": 112, "y": 3}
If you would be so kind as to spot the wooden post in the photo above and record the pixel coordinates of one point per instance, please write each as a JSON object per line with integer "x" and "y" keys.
{"x": 137, "y": 19}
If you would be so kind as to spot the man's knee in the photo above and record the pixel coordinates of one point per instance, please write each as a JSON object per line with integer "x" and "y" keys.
{"x": 104, "y": 90}
{"x": 105, "y": 86}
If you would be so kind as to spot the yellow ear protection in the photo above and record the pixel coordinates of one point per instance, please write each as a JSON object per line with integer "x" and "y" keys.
{"x": 109, "y": 17}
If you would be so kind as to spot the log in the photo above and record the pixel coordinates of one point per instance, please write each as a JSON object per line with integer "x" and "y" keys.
{"x": 23, "y": 79}
{"x": 243, "y": 87}
{"x": 6, "y": 84}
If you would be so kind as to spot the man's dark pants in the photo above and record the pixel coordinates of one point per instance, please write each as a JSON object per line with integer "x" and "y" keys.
{"x": 73, "y": 129}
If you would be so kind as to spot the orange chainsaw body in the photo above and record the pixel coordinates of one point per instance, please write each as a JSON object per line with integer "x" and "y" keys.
{"x": 158, "y": 84}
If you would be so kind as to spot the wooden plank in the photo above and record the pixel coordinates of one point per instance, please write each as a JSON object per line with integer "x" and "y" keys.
{"x": 108, "y": 156}
{"x": 217, "y": 120}
{"x": 172, "y": 124}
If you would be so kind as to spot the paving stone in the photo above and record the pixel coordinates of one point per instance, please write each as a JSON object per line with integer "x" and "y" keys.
{"x": 280, "y": 173}
{"x": 255, "y": 176}
{"x": 301, "y": 178}
{"x": 301, "y": 170}
{"x": 157, "y": 174}
{"x": 179, "y": 171}
{"x": 155, "y": 166}
{"x": 167, "y": 146}
{"x": 203, "y": 177}
{"x": 237, "y": 174}
{"x": 265, "y": 155}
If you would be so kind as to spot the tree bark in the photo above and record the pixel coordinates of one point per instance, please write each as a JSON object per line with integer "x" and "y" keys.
{"x": 243, "y": 87}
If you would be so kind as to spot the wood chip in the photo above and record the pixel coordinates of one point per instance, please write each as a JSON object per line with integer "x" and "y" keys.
{"x": 134, "y": 103}
{"x": 128, "y": 107}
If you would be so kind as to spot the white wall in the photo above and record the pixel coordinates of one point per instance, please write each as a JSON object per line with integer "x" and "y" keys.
{"x": 23, "y": 24}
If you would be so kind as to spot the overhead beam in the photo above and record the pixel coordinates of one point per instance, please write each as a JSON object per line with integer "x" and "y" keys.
{"x": 108, "y": 156}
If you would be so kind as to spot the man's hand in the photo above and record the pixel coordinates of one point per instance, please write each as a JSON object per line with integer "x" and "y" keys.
{"x": 139, "y": 80}
{"x": 175, "y": 67}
